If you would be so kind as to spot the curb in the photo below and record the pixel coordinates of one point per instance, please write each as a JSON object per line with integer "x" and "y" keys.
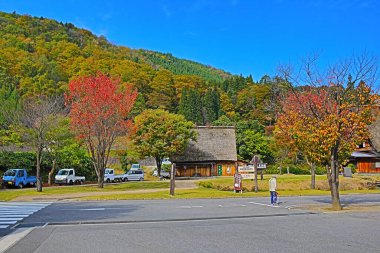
{"x": 9, "y": 240}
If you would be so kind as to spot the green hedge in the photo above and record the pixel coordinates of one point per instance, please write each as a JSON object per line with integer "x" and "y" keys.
{"x": 300, "y": 169}
{"x": 27, "y": 160}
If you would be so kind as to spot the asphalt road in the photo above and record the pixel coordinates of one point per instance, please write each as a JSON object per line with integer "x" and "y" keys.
{"x": 200, "y": 225}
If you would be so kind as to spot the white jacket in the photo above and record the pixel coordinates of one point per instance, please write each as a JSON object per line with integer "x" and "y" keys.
{"x": 272, "y": 184}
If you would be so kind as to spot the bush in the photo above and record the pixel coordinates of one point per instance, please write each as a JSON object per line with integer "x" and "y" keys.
{"x": 206, "y": 184}
{"x": 298, "y": 169}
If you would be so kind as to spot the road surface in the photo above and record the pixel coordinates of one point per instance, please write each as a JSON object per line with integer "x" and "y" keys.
{"x": 199, "y": 225}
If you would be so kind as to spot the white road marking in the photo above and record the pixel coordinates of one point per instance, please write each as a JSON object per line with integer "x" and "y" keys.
{"x": 8, "y": 222}
{"x": 261, "y": 204}
{"x": 92, "y": 209}
{"x": 188, "y": 207}
{"x": 10, "y": 218}
{"x": 13, "y": 212}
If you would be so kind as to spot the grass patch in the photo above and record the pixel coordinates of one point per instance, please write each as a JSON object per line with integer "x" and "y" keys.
{"x": 209, "y": 193}
{"x": 222, "y": 187}
{"x": 9, "y": 194}
{"x": 296, "y": 183}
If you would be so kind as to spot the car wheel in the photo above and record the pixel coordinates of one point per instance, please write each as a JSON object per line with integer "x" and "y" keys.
{"x": 141, "y": 179}
{"x": 126, "y": 179}
{"x": 71, "y": 182}
{"x": 108, "y": 180}
{"x": 21, "y": 185}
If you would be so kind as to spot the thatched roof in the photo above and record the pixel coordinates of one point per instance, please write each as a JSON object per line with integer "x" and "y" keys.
{"x": 213, "y": 144}
{"x": 374, "y": 133}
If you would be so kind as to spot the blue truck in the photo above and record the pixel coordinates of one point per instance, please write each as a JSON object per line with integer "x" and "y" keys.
{"x": 18, "y": 178}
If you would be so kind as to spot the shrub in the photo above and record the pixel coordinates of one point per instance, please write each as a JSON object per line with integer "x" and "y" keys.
{"x": 206, "y": 184}
{"x": 296, "y": 169}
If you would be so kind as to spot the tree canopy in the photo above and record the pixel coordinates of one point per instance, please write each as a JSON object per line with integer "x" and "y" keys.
{"x": 161, "y": 134}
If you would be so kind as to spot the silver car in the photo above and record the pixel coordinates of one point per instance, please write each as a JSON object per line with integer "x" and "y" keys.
{"x": 134, "y": 175}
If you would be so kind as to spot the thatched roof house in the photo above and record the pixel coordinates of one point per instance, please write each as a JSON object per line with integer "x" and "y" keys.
{"x": 374, "y": 133}
{"x": 213, "y": 153}
{"x": 367, "y": 156}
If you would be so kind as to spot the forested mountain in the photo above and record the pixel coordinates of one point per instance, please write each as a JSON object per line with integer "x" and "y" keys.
{"x": 49, "y": 53}
{"x": 41, "y": 56}
{"x": 182, "y": 66}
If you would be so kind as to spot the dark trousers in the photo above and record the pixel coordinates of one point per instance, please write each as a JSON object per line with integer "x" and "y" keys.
{"x": 273, "y": 197}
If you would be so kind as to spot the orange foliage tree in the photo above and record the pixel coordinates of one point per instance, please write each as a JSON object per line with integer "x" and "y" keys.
{"x": 329, "y": 117}
{"x": 99, "y": 108}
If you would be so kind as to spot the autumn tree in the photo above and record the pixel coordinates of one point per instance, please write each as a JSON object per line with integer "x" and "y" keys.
{"x": 36, "y": 118}
{"x": 161, "y": 134}
{"x": 163, "y": 93}
{"x": 99, "y": 111}
{"x": 59, "y": 137}
{"x": 333, "y": 112}
{"x": 296, "y": 132}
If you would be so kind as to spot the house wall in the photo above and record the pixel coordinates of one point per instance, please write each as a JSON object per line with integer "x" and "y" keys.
{"x": 215, "y": 168}
{"x": 367, "y": 165}
{"x": 228, "y": 168}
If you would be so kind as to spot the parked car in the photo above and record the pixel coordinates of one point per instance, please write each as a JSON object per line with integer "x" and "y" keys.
{"x": 166, "y": 161}
{"x": 18, "y": 178}
{"x": 110, "y": 176}
{"x": 67, "y": 176}
{"x": 136, "y": 166}
{"x": 164, "y": 174}
{"x": 134, "y": 175}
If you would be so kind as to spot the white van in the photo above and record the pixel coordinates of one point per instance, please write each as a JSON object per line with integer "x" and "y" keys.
{"x": 134, "y": 175}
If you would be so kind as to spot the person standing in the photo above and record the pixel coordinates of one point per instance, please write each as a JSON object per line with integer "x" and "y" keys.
{"x": 272, "y": 189}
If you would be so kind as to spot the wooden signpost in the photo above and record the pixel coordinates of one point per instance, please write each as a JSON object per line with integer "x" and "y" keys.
{"x": 172, "y": 179}
{"x": 255, "y": 161}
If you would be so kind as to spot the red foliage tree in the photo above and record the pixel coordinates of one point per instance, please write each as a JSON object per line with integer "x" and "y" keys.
{"x": 99, "y": 113}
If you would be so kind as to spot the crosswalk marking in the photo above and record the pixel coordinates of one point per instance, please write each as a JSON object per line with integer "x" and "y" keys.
{"x": 13, "y": 212}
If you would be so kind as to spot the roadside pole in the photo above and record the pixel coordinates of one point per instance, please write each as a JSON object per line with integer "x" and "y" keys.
{"x": 255, "y": 161}
{"x": 172, "y": 179}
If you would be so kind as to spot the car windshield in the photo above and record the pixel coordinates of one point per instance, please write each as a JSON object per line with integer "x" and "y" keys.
{"x": 63, "y": 172}
{"x": 11, "y": 173}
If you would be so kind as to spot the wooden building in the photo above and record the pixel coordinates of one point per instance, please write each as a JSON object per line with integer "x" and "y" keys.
{"x": 367, "y": 155}
{"x": 212, "y": 154}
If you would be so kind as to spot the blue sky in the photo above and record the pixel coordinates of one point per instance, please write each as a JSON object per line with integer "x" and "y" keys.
{"x": 239, "y": 36}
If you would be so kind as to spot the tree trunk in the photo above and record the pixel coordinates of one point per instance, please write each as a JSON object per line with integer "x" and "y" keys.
{"x": 280, "y": 170}
{"x": 51, "y": 172}
{"x": 38, "y": 174}
{"x": 312, "y": 172}
{"x": 334, "y": 179}
{"x": 101, "y": 178}
{"x": 262, "y": 175}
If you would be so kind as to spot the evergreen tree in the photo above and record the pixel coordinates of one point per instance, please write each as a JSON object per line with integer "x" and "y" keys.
{"x": 191, "y": 106}
{"x": 211, "y": 106}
